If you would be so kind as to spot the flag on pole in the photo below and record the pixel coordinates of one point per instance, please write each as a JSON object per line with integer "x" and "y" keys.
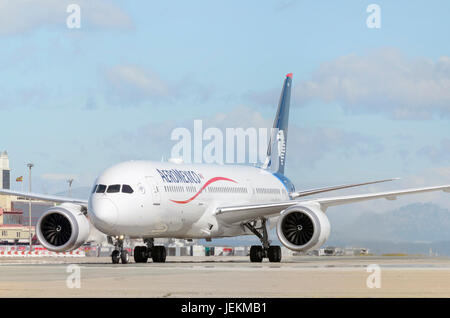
{"x": 19, "y": 179}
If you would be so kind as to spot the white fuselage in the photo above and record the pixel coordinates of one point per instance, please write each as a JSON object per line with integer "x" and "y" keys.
{"x": 177, "y": 200}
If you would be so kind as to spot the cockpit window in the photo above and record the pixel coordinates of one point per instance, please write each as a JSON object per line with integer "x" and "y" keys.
{"x": 127, "y": 189}
{"x": 113, "y": 188}
{"x": 95, "y": 188}
{"x": 101, "y": 188}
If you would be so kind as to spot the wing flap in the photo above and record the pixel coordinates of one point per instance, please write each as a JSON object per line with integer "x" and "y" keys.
{"x": 234, "y": 214}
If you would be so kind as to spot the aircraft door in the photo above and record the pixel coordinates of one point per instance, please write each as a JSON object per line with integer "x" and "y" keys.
{"x": 155, "y": 190}
{"x": 250, "y": 188}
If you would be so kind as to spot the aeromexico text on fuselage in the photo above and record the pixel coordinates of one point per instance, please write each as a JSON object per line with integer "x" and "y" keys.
{"x": 180, "y": 176}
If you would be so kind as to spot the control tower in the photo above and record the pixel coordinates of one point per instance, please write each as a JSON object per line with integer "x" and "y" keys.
{"x": 5, "y": 173}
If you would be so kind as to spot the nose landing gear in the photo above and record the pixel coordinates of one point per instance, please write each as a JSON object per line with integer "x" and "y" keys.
{"x": 258, "y": 253}
{"x": 119, "y": 253}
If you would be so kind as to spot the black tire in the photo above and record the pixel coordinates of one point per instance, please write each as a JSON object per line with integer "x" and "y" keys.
{"x": 115, "y": 256}
{"x": 124, "y": 257}
{"x": 155, "y": 254}
{"x": 256, "y": 254}
{"x": 140, "y": 254}
{"x": 274, "y": 254}
{"x": 159, "y": 254}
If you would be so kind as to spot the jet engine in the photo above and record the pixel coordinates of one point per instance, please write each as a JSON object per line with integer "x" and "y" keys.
{"x": 63, "y": 228}
{"x": 303, "y": 227}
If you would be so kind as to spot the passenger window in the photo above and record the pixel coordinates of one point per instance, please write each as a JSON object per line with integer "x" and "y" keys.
{"x": 127, "y": 189}
{"x": 101, "y": 188}
{"x": 113, "y": 188}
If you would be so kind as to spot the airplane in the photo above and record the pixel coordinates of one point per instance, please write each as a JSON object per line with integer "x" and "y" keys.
{"x": 147, "y": 200}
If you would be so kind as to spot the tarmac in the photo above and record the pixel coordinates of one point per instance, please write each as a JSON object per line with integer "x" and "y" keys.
{"x": 227, "y": 276}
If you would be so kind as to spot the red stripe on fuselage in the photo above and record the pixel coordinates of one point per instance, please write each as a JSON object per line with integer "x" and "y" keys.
{"x": 204, "y": 186}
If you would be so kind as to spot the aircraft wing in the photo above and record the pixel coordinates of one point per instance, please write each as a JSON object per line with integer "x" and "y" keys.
{"x": 390, "y": 195}
{"x": 304, "y": 193}
{"x": 44, "y": 197}
{"x": 243, "y": 213}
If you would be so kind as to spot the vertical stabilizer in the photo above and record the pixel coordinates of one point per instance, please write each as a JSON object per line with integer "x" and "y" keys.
{"x": 276, "y": 150}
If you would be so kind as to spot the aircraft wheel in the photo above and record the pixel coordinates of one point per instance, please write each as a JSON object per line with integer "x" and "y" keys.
{"x": 158, "y": 254}
{"x": 256, "y": 254}
{"x": 140, "y": 254}
{"x": 115, "y": 256}
{"x": 124, "y": 257}
{"x": 274, "y": 254}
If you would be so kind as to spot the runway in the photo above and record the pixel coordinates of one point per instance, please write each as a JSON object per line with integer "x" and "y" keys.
{"x": 227, "y": 277}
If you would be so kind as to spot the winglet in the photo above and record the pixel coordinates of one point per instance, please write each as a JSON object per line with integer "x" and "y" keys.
{"x": 289, "y": 75}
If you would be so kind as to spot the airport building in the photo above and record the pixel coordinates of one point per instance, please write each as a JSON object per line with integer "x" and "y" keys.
{"x": 14, "y": 217}
{"x": 5, "y": 179}
{"x": 5, "y": 172}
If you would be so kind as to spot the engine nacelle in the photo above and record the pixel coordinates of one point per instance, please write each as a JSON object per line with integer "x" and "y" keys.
{"x": 303, "y": 227}
{"x": 63, "y": 228}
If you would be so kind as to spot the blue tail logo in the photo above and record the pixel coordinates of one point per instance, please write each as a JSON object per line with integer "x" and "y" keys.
{"x": 276, "y": 150}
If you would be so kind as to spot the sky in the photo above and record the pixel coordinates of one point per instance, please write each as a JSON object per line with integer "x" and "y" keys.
{"x": 367, "y": 103}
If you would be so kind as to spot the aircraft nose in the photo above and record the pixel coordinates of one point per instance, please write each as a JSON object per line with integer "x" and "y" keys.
{"x": 104, "y": 212}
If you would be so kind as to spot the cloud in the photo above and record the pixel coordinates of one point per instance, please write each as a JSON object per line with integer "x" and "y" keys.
{"x": 22, "y": 16}
{"x": 428, "y": 177}
{"x": 310, "y": 145}
{"x": 384, "y": 81}
{"x": 285, "y": 5}
{"x": 153, "y": 140}
{"x": 129, "y": 85}
{"x": 306, "y": 146}
{"x": 443, "y": 172}
{"x": 437, "y": 154}
{"x": 27, "y": 96}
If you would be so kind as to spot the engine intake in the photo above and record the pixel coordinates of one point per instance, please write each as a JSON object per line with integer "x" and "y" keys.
{"x": 56, "y": 229}
{"x": 298, "y": 228}
{"x": 63, "y": 228}
{"x": 302, "y": 227}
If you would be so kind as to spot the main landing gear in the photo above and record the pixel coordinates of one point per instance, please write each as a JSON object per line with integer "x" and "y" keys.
{"x": 258, "y": 253}
{"x": 142, "y": 253}
{"x": 119, "y": 253}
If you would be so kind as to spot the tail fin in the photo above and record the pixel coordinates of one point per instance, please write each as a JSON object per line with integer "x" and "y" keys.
{"x": 276, "y": 150}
